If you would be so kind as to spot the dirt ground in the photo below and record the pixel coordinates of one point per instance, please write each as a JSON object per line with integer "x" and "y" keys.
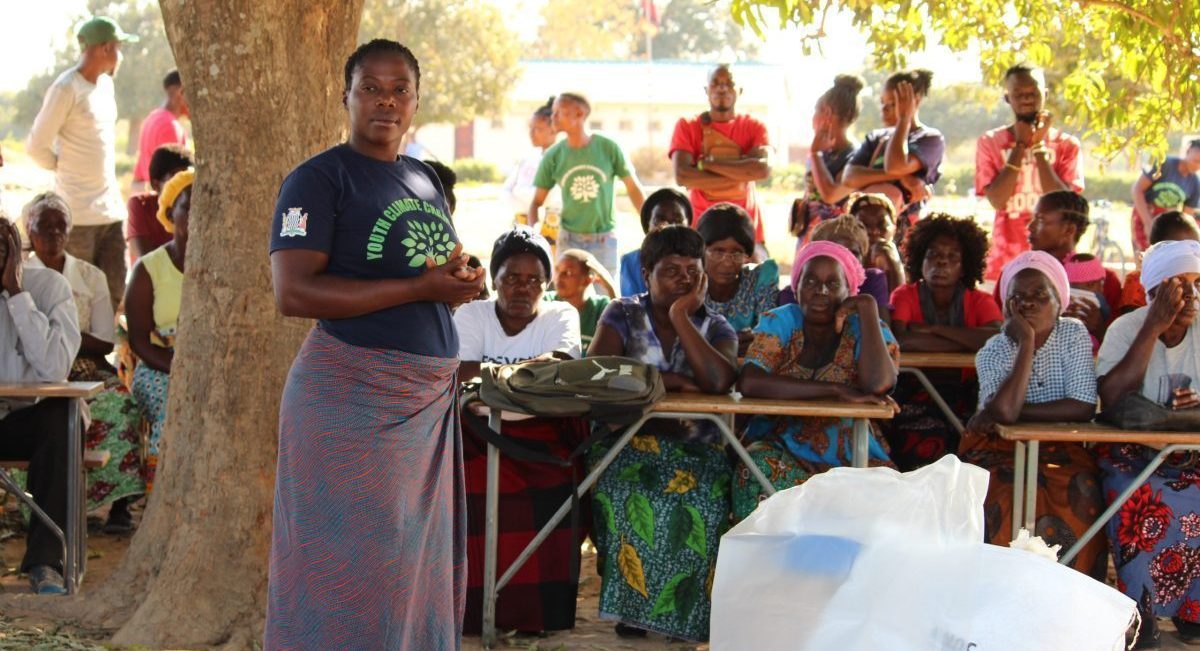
{"x": 24, "y": 633}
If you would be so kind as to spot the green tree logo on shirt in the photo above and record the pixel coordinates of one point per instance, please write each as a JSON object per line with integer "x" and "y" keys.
{"x": 1168, "y": 195}
{"x": 427, "y": 241}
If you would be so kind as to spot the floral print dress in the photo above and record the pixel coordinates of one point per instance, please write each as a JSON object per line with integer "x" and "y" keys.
{"x": 659, "y": 510}
{"x": 1155, "y": 536}
{"x": 789, "y": 450}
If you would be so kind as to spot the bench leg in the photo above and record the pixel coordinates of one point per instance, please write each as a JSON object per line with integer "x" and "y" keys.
{"x": 491, "y": 535}
{"x": 938, "y": 400}
{"x": 1018, "y": 500}
{"x": 76, "y": 513}
{"x": 862, "y": 438}
{"x": 1031, "y": 484}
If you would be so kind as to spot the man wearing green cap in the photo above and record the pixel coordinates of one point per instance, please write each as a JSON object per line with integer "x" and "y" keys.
{"x": 75, "y": 135}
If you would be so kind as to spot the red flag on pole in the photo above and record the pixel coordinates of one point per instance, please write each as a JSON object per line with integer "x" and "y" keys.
{"x": 649, "y": 12}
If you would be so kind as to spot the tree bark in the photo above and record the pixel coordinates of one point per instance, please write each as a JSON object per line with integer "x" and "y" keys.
{"x": 264, "y": 81}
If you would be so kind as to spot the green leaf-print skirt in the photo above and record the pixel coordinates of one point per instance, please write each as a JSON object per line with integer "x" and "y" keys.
{"x": 659, "y": 511}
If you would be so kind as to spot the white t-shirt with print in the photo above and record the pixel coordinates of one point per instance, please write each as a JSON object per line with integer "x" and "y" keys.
{"x": 482, "y": 339}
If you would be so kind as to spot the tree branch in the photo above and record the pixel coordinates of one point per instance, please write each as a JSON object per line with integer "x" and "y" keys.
{"x": 1134, "y": 13}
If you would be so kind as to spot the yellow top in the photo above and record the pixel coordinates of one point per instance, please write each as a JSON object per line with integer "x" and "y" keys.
{"x": 167, "y": 281}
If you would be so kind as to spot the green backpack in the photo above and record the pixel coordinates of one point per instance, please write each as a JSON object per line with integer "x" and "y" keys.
{"x": 616, "y": 390}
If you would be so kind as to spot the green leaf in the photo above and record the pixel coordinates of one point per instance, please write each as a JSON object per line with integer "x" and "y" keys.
{"x": 409, "y": 242}
{"x": 641, "y": 517}
{"x": 630, "y": 473}
{"x": 649, "y": 477}
{"x": 666, "y": 597}
{"x": 680, "y": 595}
{"x": 720, "y": 488}
{"x": 606, "y": 511}
{"x": 696, "y": 540}
{"x": 679, "y": 527}
{"x": 417, "y": 261}
{"x": 687, "y": 595}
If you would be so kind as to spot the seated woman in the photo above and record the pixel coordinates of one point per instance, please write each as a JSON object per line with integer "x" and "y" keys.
{"x": 940, "y": 311}
{"x": 663, "y": 207}
{"x": 737, "y": 290}
{"x": 674, "y": 475}
{"x": 1038, "y": 369}
{"x": 114, "y": 417}
{"x": 849, "y": 233}
{"x": 878, "y": 216}
{"x": 832, "y": 345}
{"x": 515, "y": 326}
{"x": 152, "y": 310}
{"x": 1155, "y": 351}
{"x": 574, "y": 274}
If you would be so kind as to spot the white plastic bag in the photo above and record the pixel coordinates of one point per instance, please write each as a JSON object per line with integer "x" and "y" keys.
{"x": 876, "y": 559}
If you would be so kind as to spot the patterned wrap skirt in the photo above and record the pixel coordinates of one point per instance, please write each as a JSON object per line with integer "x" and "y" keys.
{"x": 368, "y": 549}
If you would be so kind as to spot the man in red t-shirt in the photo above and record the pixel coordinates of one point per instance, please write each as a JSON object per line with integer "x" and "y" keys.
{"x": 718, "y": 155}
{"x": 161, "y": 127}
{"x": 1016, "y": 164}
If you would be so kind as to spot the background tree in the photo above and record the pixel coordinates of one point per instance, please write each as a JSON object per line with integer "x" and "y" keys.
{"x": 585, "y": 29}
{"x": 468, "y": 55}
{"x": 265, "y": 85}
{"x": 698, "y": 30}
{"x": 1153, "y": 44}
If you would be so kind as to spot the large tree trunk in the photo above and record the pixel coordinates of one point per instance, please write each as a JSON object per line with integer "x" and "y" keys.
{"x": 264, "y": 80}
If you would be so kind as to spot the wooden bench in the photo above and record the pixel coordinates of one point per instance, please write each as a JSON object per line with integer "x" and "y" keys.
{"x": 74, "y": 539}
{"x": 687, "y": 406}
{"x": 92, "y": 459}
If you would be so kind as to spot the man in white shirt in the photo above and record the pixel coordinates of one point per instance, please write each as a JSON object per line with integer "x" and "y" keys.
{"x": 39, "y": 337}
{"x": 75, "y": 134}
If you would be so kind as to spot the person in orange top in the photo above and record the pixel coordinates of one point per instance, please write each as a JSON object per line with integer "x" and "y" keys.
{"x": 719, "y": 154}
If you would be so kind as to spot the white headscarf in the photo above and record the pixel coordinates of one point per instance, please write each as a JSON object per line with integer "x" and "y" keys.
{"x": 1167, "y": 259}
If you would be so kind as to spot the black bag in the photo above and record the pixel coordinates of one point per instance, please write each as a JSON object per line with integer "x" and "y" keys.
{"x": 609, "y": 389}
{"x": 1133, "y": 411}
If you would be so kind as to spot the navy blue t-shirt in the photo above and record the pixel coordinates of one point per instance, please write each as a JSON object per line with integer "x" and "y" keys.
{"x": 375, "y": 220}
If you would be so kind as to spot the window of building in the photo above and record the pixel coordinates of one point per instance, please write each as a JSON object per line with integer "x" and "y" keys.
{"x": 596, "y": 125}
{"x": 625, "y": 125}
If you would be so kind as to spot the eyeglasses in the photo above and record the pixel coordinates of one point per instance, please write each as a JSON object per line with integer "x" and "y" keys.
{"x": 716, "y": 255}
{"x": 529, "y": 282}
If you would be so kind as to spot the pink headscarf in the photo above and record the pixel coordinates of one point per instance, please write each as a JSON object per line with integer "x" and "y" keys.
{"x": 1041, "y": 261}
{"x": 851, "y": 266}
{"x": 1083, "y": 271}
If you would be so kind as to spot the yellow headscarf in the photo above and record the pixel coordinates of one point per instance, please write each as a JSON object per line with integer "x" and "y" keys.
{"x": 170, "y": 192}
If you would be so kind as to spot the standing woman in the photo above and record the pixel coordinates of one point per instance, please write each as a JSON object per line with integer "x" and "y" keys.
{"x": 904, "y": 158}
{"x": 518, "y": 187}
{"x": 368, "y": 548}
{"x": 824, "y": 195}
